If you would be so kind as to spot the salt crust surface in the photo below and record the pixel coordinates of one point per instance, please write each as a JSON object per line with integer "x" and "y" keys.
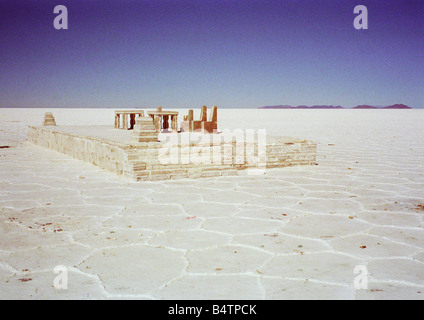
{"x": 293, "y": 233}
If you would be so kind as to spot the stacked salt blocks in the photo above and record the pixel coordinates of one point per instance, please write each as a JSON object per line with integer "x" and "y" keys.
{"x": 49, "y": 119}
{"x": 145, "y": 130}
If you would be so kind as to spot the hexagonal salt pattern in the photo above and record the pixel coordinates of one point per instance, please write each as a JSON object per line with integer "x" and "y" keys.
{"x": 293, "y": 233}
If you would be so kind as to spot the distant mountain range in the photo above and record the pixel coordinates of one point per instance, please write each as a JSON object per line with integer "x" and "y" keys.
{"x": 395, "y": 106}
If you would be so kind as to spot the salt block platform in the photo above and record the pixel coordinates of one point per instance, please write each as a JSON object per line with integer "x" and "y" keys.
{"x": 174, "y": 155}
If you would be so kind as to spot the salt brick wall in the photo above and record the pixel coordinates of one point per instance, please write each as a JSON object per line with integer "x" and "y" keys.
{"x": 108, "y": 156}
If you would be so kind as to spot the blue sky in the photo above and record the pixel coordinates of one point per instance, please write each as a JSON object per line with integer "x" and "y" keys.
{"x": 233, "y": 54}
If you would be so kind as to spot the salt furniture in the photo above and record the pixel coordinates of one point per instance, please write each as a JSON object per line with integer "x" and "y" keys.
{"x": 161, "y": 120}
{"x": 204, "y": 125}
{"x": 125, "y": 119}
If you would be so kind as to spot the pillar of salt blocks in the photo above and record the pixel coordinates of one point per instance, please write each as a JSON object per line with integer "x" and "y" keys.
{"x": 190, "y": 116}
{"x": 49, "y": 119}
{"x": 190, "y": 119}
{"x": 125, "y": 121}
{"x": 204, "y": 114}
{"x": 117, "y": 120}
{"x": 174, "y": 123}
{"x": 214, "y": 114}
{"x": 144, "y": 130}
{"x": 157, "y": 120}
